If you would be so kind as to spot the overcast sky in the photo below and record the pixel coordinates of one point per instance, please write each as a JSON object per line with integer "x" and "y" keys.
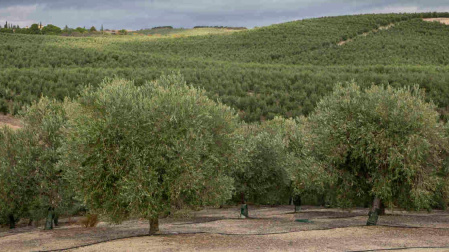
{"x": 138, "y": 14}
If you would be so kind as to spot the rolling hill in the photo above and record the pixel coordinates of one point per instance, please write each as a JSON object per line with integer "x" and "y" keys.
{"x": 283, "y": 69}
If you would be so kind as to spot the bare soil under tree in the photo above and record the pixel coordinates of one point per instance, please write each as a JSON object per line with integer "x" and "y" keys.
{"x": 269, "y": 228}
{"x": 10, "y": 121}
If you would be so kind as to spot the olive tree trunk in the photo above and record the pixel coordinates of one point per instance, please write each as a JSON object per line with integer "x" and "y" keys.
{"x": 373, "y": 215}
{"x": 297, "y": 202}
{"x": 382, "y": 208}
{"x": 56, "y": 219}
{"x": 49, "y": 221}
{"x": 12, "y": 221}
{"x": 154, "y": 225}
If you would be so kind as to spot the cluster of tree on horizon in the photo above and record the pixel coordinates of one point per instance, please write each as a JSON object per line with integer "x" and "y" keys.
{"x": 162, "y": 27}
{"x": 39, "y": 29}
{"x": 220, "y": 27}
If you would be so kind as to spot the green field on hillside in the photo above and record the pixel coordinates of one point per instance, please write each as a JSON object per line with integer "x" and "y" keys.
{"x": 282, "y": 69}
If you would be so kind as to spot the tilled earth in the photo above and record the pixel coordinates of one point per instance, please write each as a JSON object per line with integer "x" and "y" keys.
{"x": 268, "y": 229}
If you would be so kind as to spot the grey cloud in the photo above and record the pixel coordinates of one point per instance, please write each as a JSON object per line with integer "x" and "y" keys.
{"x": 181, "y": 13}
{"x": 58, "y": 4}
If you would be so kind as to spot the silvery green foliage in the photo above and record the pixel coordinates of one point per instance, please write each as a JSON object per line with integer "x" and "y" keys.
{"x": 263, "y": 175}
{"x": 273, "y": 163}
{"x": 380, "y": 142}
{"x": 143, "y": 150}
{"x": 45, "y": 121}
{"x": 17, "y": 177}
{"x": 306, "y": 173}
{"x": 30, "y": 180}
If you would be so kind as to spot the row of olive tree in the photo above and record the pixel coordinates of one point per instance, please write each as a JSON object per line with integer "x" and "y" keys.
{"x": 144, "y": 151}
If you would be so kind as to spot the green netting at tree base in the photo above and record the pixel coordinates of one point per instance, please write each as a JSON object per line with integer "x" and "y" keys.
{"x": 373, "y": 217}
{"x": 244, "y": 210}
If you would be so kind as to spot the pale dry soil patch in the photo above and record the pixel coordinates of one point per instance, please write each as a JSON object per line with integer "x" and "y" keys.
{"x": 268, "y": 229}
{"x": 381, "y": 28}
{"x": 441, "y": 20}
{"x": 10, "y": 121}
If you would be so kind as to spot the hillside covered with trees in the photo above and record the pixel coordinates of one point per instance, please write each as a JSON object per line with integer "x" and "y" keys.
{"x": 336, "y": 111}
{"x": 281, "y": 69}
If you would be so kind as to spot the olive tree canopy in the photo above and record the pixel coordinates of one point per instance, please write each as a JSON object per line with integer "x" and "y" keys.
{"x": 140, "y": 151}
{"x": 31, "y": 183}
{"x": 382, "y": 143}
{"x": 44, "y": 121}
{"x": 273, "y": 163}
{"x": 17, "y": 177}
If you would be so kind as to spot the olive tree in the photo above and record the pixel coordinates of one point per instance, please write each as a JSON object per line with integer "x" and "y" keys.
{"x": 306, "y": 173}
{"x": 31, "y": 184}
{"x": 44, "y": 122}
{"x": 262, "y": 175}
{"x": 144, "y": 150}
{"x": 384, "y": 143}
{"x": 17, "y": 177}
{"x": 273, "y": 164}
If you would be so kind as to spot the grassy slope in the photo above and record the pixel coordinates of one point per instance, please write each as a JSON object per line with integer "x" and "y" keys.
{"x": 277, "y": 70}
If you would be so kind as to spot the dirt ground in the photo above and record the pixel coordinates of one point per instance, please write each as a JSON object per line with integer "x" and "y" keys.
{"x": 268, "y": 229}
{"x": 10, "y": 121}
{"x": 441, "y": 20}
